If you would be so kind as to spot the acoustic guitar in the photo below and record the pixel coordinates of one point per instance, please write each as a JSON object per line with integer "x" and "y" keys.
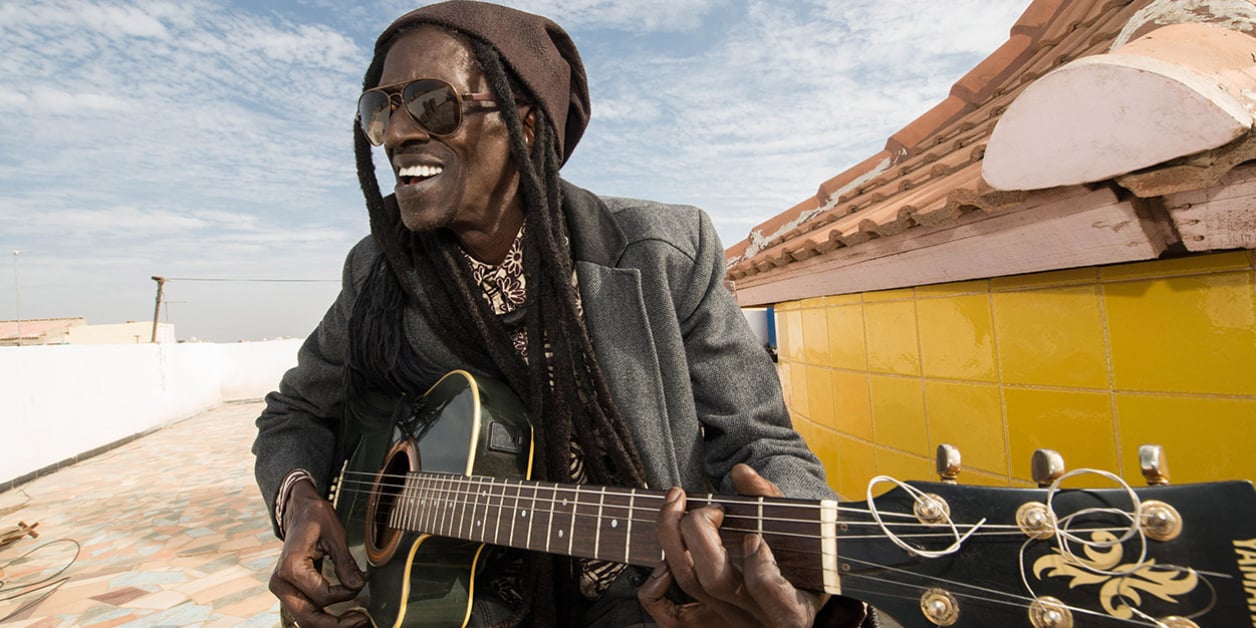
{"x": 423, "y": 497}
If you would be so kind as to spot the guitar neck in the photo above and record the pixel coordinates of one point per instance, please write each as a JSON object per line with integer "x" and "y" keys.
{"x": 611, "y": 524}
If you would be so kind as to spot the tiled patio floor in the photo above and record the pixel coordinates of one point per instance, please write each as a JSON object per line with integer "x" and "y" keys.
{"x": 172, "y": 531}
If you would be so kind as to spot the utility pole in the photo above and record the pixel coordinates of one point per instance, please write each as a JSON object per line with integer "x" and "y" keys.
{"x": 161, "y": 282}
{"x": 17, "y": 298}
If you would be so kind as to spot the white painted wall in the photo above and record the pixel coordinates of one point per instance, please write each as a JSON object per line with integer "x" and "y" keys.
{"x": 60, "y": 401}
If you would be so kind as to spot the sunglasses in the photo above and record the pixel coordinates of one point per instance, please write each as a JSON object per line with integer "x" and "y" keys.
{"x": 432, "y": 104}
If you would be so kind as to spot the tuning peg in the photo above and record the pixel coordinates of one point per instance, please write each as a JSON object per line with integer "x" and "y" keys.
{"x": 1046, "y": 466}
{"x": 1153, "y": 464}
{"x": 948, "y": 461}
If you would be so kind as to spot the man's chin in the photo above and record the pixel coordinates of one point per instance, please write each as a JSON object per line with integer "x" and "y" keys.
{"x": 418, "y": 217}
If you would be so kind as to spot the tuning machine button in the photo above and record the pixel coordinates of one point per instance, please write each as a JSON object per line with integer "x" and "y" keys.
{"x": 1049, "y": 612}
{"x": 939, "y": 607}
{"x": 1047, "y": 465}
{"x": 1160, "y": 521}
{"x": 948, "y": 463}
{"x": 1153, "y": 464}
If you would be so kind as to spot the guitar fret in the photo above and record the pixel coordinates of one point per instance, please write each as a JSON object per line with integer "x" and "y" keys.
{"x": 462, "y": 516}
{"x": 632, "y": 499}
{"x": 422, "y": 495}
{"x": 446, "y": 512}
{"x": 571, "y": 533}
{"x": 549, "y": 527}
{"x": 476, "y": 523}
{"x": 513, "y": 518}
{"x": 597, "y": 535}
{"x": 436, "y": 486}
{"x": 536, "y": 488}
{"x": 501, "y": 503}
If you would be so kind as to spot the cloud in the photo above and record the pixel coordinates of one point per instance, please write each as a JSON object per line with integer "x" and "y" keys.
{"x": 177, "y": 136}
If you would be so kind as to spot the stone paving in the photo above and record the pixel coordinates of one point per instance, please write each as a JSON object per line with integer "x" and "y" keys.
{"x": 171, "y": 531}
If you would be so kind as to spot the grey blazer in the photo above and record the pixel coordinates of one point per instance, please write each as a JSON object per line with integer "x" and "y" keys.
{"x": 696, "y": 389}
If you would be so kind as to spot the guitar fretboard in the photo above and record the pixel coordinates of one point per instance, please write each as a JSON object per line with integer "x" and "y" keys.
{"x": 610, "y": 524}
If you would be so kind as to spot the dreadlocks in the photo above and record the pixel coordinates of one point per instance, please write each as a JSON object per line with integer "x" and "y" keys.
{"x": 561, "y": 382}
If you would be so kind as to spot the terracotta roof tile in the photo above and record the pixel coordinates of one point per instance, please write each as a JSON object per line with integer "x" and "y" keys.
{"x": 930, "y": 170}
{"x": 981, "y": 81}
{"x": 1033, "y": 22}
{"x": 929, "y": 124}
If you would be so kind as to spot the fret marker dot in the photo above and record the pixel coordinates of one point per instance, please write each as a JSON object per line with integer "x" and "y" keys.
{"x": 564, "y": 501}
{"x": 523, "y": 514}
{"x": 614, "y": 523}
{"x": 477, "y": 524}
{"x": 560, "y": 534}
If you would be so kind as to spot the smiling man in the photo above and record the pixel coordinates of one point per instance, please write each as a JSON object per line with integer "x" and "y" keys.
{"x": 607, "y": 317}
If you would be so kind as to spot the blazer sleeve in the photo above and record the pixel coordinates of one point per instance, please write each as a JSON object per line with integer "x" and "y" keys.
{"x": 736, "y": 389}
{"x": 297, "y": 429}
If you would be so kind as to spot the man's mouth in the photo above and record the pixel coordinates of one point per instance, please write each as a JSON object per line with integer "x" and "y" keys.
{"x": 416, "y": 174}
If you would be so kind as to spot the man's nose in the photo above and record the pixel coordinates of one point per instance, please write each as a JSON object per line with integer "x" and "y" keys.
{"x": 402, "y": 128}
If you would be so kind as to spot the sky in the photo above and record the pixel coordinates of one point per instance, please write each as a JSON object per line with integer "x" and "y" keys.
{"x": 212, "y": 140}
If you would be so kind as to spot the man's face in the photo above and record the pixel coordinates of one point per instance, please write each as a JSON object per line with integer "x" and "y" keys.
{"x": 462, "y": 181}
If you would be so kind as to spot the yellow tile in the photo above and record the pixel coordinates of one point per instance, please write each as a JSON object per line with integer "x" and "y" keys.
{"x": 853, "y": 404}
{"x": 1069, "y": 277}
{"x": 790, "y": 343}
{"x": 812, "y": 303}
{"x": 900, "y": 294}
{"x": 891, "y": 334}
{"x": 903, "y": 466}
{"x": 1184, "y": 334}
{"x": 798, "y": 390}
{"x": 980, "y": 286}
{"x": 786, "y": 306}
{"x": 957, "y": 338}
{"x": 1076, "y": 424}
{"x": 843, "y": 299}
{"x": 1205, "y": 439}
{"x": 824, "y": 446}
{"x": 1052, "y": 337}
{"x": 857, "y": 465}
{"x": 848, "y": 348}
{"x": 1198, "y": 264}
{"x": 898, "y": 414}
{"x": 820, "y": 396}
{"x": 970, "y": 417}
{"x": 815, "y": 336}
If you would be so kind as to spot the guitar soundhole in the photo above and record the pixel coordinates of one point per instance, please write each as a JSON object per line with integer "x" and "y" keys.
{"x": 382, "y": 539}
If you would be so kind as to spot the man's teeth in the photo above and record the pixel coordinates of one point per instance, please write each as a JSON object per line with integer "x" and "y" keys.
{"x": 421, "y": 171}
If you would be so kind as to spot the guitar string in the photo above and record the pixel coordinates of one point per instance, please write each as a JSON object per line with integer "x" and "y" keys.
{"x": 443, "y": 495}
{"x": 457, "y": 482}
{"x": 1061, "y": 525}
{"x": 440, "y": 493}
{"x": 1019, "y": 602}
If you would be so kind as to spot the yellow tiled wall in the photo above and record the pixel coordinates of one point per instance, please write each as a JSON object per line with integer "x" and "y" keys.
{"x": 1090, "y": 362}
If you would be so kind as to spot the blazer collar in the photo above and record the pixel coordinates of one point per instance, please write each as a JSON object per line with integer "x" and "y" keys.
{"x": 595, "y": 236}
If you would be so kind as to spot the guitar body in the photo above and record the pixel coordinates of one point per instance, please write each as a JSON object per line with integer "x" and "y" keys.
{"x": 461, "y": 427}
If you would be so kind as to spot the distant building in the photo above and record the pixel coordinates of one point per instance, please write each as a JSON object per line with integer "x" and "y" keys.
{"x": 76, "y": 331}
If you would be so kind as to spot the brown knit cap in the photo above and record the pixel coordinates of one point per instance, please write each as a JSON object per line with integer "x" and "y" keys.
{"x": 537, "y": 50}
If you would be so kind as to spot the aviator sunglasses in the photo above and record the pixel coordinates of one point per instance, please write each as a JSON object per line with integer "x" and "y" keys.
{"x": 432, "y": 104}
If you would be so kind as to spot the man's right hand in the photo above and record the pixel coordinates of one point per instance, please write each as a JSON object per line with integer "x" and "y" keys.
{"x": 314, "y": 532}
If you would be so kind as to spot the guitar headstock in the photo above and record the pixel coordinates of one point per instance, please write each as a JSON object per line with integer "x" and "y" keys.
{"x": 944, "y": 554}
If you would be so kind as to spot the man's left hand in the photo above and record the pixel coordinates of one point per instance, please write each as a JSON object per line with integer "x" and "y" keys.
{"x": 730, "y": 592}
